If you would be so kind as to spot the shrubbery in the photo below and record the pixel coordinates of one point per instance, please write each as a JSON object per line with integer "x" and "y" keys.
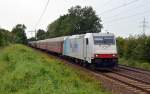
{"x": 5, "y": 37}
{"x": 17, "y": 35}
{"x": 134, "y": 47}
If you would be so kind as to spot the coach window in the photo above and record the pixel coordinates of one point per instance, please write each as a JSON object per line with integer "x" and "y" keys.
{"x": 87, "y": 41}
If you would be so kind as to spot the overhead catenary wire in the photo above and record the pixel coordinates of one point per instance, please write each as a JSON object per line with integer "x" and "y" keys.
{"x": 120, "y": 12}
{"x": 128, "y": 17}
{"x": 118, "y": 7}
{"x": 106, "y": 3}
{"x": 43, "y": 12}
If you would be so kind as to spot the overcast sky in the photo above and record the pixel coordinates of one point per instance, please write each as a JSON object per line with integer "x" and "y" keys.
{"x": 118, "y": 16}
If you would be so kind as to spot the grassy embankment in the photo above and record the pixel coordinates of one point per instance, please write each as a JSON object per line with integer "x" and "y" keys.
{"x": 25, "y": 71}
{"x": 135, "y": 63}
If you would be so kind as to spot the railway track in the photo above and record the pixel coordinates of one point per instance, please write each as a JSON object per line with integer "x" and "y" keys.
{"x": 135, "y": 81}
{"x": 138, "y": 82}
{"x": 138, "y": 70}
{"x": 136, "y": 85}
{"x": 129, "y": 72}
{"x": 133, "y": 77}
{"x": 136, "y": 78}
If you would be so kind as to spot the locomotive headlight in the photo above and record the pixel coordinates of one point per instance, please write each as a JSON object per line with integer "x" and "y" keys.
{"x": 96, "y": 55}
{"x": 114, "y": 55}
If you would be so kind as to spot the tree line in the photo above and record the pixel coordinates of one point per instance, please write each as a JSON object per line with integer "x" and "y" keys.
{"x": 78, "y": 20}
{"x": 16, "y": 35}
{"x": 134, "y": 47}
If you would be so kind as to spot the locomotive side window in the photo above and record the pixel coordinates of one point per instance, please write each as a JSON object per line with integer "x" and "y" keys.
{"x": 87, "y": 41}
{"x": 98, "y": 40}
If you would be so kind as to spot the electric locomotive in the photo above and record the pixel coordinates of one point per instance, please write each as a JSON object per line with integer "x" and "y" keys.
{"x": 96, "y": 49}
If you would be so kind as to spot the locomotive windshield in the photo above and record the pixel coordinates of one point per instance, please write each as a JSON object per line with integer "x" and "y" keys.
{"x": 98, "y": 40}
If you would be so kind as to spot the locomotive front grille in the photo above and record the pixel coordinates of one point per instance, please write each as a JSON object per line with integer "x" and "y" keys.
{"x": 110, "y": 62}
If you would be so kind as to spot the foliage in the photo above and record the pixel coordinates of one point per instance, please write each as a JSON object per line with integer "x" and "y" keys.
{"x": 135, "y": 63}
{"x": 41, "y": 34}
{"x": 136, "y": 48}
{"x": 19, "y": 32}
{"x": 32, "y": 39}
{"x": 16, "y": 36}
{"x": 5, "y": 37}
{"x": 25, "y": 71}
{"x": 120, "y": 45}
{"x": 77, "y": 21}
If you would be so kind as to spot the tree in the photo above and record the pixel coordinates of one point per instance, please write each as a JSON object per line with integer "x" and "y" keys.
{"x": 41, "y": 34}
{"x": 77, "y": 21}
{"x": 19, "y": 32}
{"x": 32, "y": 39}
{"x": 147, "y": 49}
{"x": 85, "y": 19}
{"x": 134, "y": 47}
{"x": 5, "y": 37}
{"x": 121, "y": 46}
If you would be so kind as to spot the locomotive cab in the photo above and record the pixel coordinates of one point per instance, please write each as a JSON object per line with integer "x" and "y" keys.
{"x": 105, "y": 50}
{"x": 101, "y": 50}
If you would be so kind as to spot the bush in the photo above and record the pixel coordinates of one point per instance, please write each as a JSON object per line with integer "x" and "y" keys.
{"x": 137, "y": 48}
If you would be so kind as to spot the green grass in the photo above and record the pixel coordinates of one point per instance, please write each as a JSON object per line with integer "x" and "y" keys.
{"x": 26, "y": 71}
{"x": 135, "y": 63}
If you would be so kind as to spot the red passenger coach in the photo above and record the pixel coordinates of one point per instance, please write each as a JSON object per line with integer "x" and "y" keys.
{"x": 53, "y": 45}
{"x": 56, "y": 47}
{"x": 42, "y": 45}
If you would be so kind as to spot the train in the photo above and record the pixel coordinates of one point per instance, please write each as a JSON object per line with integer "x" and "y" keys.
{"x": 91, "y": 49}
